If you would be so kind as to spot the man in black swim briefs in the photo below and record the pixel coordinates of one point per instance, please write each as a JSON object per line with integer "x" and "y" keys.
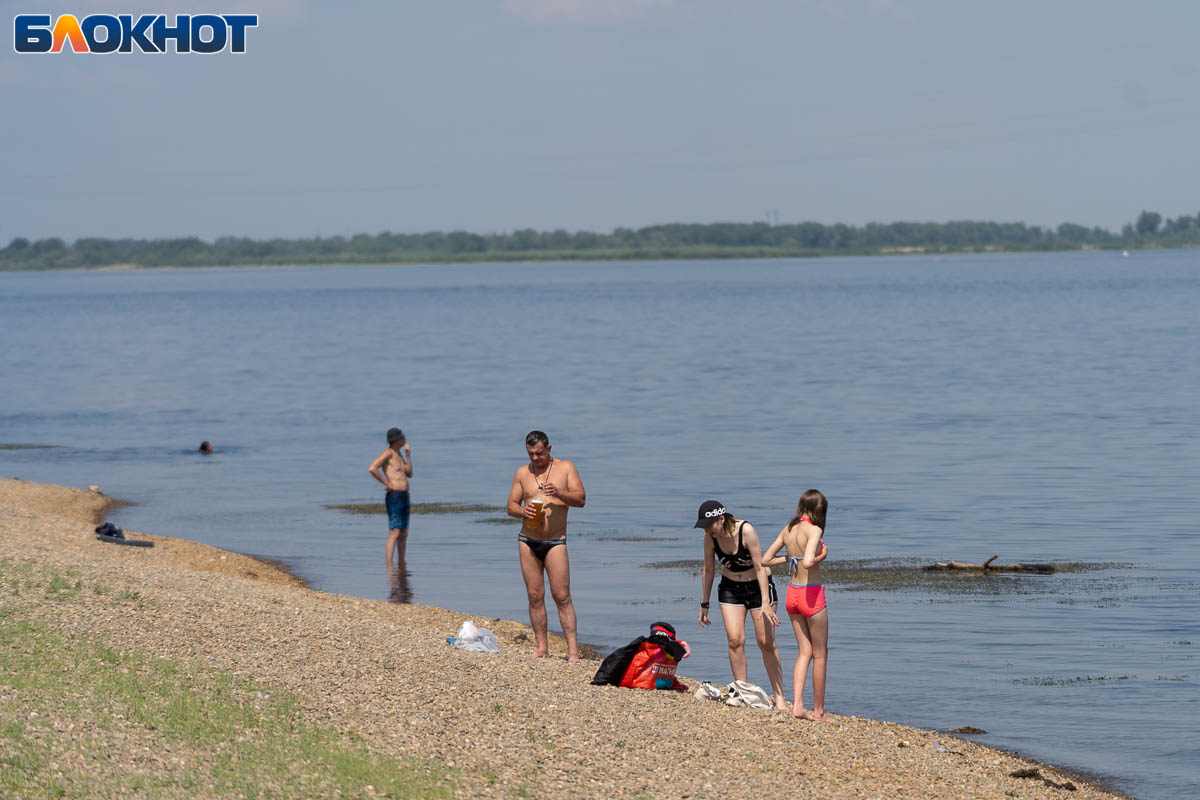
{"x": 542, "y": 492}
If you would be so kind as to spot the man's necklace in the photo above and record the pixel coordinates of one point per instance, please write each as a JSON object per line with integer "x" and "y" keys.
{"x": 541, "y": 485}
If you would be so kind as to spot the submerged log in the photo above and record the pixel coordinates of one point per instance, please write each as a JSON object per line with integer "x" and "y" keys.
{"x": 988, "y": 566}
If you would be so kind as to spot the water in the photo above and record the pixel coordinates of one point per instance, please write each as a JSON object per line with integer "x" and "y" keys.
{"x": 1041, "y": 407}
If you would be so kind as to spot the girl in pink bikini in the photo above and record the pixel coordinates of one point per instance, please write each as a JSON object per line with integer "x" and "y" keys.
{"x": 805, "y": 602}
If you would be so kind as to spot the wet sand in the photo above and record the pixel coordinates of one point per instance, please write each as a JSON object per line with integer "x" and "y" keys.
{"x": 507, "y": 723}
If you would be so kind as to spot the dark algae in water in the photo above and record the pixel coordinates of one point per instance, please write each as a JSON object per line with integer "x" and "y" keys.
{"x": 1036, "y": 774}
{"x": 1054, "y": 680}
{"x": 417, "y": 508}
{"x": 910, "y": 574}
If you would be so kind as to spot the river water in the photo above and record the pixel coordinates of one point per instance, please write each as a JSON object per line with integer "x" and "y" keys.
{"x": 1040, "y": 407}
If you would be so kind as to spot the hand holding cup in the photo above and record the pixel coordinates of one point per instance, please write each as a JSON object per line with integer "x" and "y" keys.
{"x": 533, "y": 512}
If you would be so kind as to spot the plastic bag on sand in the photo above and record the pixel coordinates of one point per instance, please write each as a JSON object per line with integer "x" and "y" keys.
{"x": 476, "y": 639}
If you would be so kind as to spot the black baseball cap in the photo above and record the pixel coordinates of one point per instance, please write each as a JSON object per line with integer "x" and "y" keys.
{"x": 708, "y": 513}
{"x": 394, "y": 435}
{"x": 663, "y": 629}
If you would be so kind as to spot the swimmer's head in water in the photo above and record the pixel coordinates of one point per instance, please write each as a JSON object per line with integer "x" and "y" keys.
{"x": 395, "y": 435}
{"x": 206, "y": 447}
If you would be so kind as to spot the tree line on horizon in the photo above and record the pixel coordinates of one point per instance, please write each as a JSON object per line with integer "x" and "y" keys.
{"x": 679, "y": 240}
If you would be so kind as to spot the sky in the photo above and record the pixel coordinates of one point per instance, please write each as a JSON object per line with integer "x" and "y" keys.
{"x": 497, "y": 115}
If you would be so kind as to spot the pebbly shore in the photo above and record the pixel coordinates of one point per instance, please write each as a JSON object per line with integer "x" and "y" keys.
{"x": 506, "y": 725}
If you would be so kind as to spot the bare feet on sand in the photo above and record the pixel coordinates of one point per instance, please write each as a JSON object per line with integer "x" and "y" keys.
{"x": 800, "y": 712}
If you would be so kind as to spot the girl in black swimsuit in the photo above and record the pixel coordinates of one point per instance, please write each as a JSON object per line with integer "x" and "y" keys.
{"x": 745, "y": 582}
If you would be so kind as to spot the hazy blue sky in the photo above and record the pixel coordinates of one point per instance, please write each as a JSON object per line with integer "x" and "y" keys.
{"x": 590, "y": 114}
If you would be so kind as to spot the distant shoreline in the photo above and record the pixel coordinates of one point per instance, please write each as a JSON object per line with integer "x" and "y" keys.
{"x": 664, "y": 242}
{"x": 582, "y": 257}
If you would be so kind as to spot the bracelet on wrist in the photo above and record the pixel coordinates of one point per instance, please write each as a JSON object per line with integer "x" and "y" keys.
{"x": 704, "y": 605}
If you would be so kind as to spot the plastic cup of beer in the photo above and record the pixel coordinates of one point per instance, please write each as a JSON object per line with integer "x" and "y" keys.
{"x": 539, "y": 505}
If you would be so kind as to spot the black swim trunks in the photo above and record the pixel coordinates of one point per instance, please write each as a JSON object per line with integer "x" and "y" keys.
{"x": 744, "y": 593}
{"x": 540, "y": 547}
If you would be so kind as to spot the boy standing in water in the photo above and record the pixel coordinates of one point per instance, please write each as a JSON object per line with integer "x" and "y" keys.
{"x": 393, "y": 468}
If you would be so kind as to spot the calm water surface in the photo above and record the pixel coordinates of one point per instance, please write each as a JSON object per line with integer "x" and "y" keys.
{"x": 1040, "y": 407}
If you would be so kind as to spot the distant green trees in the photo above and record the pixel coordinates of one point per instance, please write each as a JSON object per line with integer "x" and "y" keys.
{"x": 1147, "y": 223}
{"x": 677, "y": 240}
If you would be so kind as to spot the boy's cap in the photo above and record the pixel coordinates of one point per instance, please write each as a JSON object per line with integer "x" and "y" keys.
{"x": 394, "y": 435}
{"x": 708, "y": 513}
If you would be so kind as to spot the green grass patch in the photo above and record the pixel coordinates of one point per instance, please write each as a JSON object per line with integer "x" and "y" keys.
{"x": 59, "y": 587}
{"x": 23, "y": 579}
{"x": 417, "y": 508}
{"x": 24, "y": 582}
{"x": 77, "y": 717}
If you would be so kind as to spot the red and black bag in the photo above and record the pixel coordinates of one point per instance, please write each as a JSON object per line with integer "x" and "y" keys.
{"x": 648, "y": 662}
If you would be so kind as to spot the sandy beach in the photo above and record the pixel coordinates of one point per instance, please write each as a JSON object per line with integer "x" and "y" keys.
{"x": 507, "y": 725}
